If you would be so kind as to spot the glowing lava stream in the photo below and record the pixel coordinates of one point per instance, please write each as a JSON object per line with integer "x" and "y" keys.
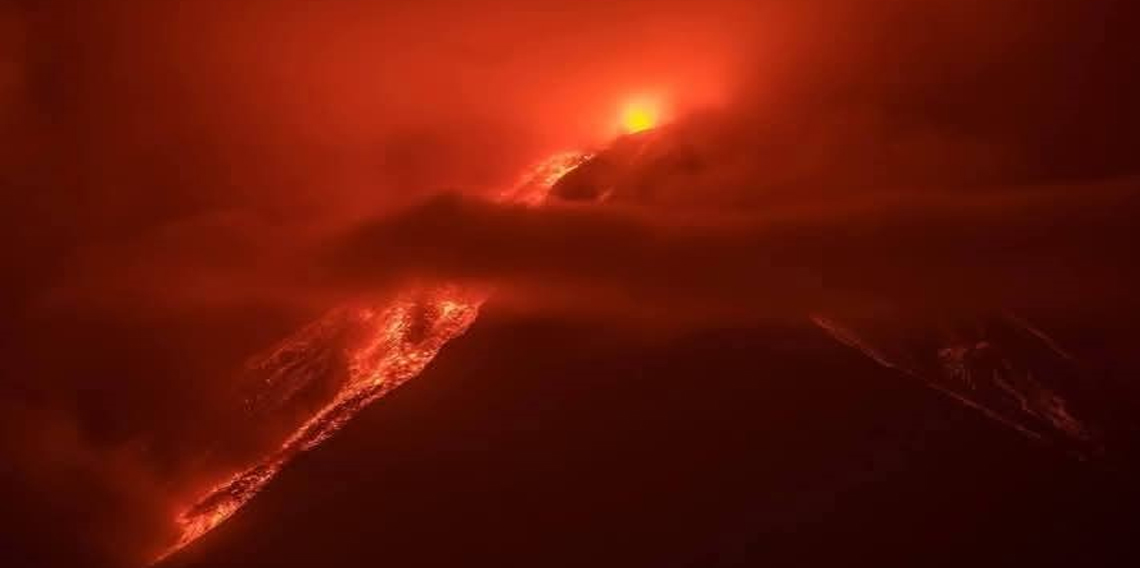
{"x": 395, "y": 343}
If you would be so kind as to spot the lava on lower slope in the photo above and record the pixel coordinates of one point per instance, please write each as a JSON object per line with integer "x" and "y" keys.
{"x": 380, "y": 347}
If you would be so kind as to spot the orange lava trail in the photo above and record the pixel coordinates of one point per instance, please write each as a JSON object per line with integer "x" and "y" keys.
{"x": 398, "y": 341}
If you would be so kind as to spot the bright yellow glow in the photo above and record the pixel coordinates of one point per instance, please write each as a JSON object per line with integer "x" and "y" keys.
{"x": 639, "y": 116}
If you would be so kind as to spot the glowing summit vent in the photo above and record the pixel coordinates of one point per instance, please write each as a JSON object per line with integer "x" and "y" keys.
{"x": 640, "y": 115}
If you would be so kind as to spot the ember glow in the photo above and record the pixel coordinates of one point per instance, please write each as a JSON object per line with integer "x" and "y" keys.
{"x": 389, "y": 345}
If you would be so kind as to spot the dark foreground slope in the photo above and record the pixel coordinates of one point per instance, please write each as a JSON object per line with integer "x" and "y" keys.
{"x": 534, "y": 444}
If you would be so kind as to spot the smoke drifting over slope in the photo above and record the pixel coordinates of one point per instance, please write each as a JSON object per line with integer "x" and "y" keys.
{"x": 1042, "y": 249}
{"x": 178, "y": 182}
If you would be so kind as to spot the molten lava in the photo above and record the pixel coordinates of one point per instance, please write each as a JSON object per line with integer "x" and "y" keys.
{"x": 390, "y": 344}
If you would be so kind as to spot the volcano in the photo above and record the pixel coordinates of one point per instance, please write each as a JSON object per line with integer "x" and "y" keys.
{"x": 633, "y": 283}
{"x": 506, "y": 459}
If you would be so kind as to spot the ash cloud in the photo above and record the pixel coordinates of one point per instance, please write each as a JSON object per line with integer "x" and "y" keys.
{"x": 895, "y": 159}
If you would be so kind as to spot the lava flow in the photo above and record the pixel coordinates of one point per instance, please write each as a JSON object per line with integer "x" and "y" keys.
{"x": 389, "y": 344}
